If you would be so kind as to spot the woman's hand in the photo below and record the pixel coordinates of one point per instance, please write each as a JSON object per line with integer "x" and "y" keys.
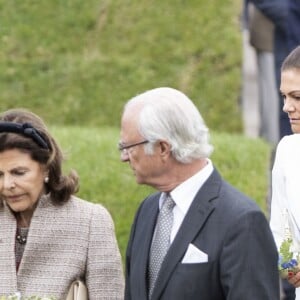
{"x": 294, "y": 279}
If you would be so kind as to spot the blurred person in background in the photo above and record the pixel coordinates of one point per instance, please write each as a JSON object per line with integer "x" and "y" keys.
{"x": 285, "y": 15}
{"x": 261, "y": 31}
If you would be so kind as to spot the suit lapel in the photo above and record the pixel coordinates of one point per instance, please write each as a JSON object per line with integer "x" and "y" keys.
{"x": 201, "y": 207}
{"x": 145, "y": 231}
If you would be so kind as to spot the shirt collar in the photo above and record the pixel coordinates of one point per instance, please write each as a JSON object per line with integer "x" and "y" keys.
{"x": 184, "y": 194}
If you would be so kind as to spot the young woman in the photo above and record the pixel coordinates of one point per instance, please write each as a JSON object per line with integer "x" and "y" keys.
{"x": 285, "y": 208}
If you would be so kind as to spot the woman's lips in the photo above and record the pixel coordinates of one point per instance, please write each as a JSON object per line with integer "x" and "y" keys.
{"x": 294, "y": 120}
{"x": 13, "y": 198}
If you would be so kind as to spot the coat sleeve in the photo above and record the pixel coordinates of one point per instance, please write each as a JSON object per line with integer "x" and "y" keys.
{"x": 279, "y": 198}
{"x": 249, "y": 260}
{"x": 104, "y": 276}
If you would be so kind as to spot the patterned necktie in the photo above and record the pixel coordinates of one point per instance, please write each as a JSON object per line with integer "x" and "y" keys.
{"x": 161, "y": 240}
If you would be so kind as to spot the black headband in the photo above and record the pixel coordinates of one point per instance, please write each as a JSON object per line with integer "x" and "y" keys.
{"x": 25, "y": 129}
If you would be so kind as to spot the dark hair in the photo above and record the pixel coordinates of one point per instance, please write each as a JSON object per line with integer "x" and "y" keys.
{"x": 59, "y": 186}
{"x": 292, "y": 61}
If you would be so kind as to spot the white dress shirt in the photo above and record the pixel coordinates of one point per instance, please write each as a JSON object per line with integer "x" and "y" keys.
{"x": 184, "y": 194}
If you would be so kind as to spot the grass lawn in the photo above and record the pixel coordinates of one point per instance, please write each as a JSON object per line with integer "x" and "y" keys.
{"x": 76, "y": 62}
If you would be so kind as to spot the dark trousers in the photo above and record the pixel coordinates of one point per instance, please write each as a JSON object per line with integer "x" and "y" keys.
{"x": 289, "y": 290}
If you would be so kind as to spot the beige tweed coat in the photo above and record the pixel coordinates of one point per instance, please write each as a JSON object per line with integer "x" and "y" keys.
{"x": 64, "y": 243}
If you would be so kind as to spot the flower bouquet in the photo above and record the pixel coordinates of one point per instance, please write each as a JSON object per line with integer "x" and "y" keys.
{"x": 289, "y": 257}
{"x": 288, "y": 261}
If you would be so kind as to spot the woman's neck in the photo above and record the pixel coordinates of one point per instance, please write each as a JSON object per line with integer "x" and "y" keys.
{"x": 23, "y": 219}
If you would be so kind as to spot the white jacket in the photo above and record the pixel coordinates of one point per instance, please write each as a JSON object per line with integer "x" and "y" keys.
{"x": 286, "y": 192}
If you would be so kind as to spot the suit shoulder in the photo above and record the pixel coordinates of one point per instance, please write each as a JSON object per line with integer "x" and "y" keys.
{"x": 149, "y": 200}
{"x": 85, "y": 211}
{"x": 236, "y": 201}
{"x": 150, "y": 203}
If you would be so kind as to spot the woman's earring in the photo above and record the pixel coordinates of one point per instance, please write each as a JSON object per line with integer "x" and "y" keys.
{"x": 46, "y": 180}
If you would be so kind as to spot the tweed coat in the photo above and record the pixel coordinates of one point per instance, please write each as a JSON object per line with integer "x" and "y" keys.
{"x": 64, "y": 242}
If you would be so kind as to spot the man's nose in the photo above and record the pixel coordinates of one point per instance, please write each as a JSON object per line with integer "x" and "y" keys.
{"x": 124, "y": 155}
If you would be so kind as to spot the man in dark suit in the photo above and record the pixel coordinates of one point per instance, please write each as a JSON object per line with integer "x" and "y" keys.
{"x": 219, "y": 245}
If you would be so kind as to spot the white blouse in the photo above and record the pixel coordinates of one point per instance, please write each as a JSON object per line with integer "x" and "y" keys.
{"x": 285, "y": 206}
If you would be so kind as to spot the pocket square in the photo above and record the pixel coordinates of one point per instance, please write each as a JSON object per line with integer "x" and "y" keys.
{"x": 194, "y": 255}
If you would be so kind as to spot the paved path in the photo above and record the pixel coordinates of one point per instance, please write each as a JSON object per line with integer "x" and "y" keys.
{"x": 250, "y": 109}
{"x": 249, "y": 90}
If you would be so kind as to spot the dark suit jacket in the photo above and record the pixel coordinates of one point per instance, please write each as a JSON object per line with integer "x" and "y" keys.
{"x": 225, "y": 224}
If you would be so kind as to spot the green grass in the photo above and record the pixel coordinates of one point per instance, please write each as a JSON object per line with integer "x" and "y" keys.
{"x": 105, "y": 179}
{"x": 76, "y": 62}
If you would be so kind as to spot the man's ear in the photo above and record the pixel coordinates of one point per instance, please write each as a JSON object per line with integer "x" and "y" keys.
{"x": 165, "y": 148}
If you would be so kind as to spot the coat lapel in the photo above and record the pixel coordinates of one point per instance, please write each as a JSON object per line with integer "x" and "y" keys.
{"x": 201, "y": 208}
{"x": 145, "y": 231}
{"x": 8, "y": 228}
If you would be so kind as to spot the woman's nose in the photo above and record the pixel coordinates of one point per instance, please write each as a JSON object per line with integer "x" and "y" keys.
{"x": 8, "y": 182}
{"x": 288, "y": 105}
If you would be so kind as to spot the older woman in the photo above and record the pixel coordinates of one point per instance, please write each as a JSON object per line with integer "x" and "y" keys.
{"x": 285, "y": 209}
{"x": 49, "y": 237}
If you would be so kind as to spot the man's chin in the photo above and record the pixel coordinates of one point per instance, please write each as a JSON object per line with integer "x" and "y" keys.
{"x": 139, "y": 180}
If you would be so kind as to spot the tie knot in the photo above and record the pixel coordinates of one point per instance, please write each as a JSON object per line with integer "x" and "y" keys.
{"x": 169, "y": 202}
